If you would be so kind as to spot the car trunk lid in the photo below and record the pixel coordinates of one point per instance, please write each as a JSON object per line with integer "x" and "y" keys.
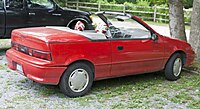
{"x": 41, "y": 37}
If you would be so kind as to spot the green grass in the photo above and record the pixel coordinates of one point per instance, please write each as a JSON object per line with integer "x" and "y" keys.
{"x": 195, "y": 66}
{"x": 4, "y": 44}
{"x": 20, "y": 98}
{"x": 138, "y": 91}
{"x": 24, "y": 80}
{"x": 48, "y": 90}
{"x": 2, "y": 67}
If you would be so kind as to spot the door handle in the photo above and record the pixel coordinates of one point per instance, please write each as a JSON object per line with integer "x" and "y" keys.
{"x": 31, "y": 14}
{"x": 120, "y": 48}
{"x": 54, "y": 14}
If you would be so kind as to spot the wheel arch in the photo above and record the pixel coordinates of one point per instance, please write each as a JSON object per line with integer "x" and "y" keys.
{"x": 91, "y": 65}
{"x": 182, "y": 53}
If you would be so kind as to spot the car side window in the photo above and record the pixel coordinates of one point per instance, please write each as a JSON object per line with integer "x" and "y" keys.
{"x": 136, "y": 31}
{"x": 132, "y": 30}
{"x": 40, "y": 4}
{"x": 1, "y": 4}
{"x": 14, "y": 4}
{"x": 127, "y": 28}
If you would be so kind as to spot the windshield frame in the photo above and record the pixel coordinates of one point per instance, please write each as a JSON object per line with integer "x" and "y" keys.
{"x": 102, "y": 15}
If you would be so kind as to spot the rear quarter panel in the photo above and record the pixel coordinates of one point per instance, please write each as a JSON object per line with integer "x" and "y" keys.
{"x": 98, "y": 53}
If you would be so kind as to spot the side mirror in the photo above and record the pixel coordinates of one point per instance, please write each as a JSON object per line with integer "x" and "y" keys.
{"x": 154, "y": 37}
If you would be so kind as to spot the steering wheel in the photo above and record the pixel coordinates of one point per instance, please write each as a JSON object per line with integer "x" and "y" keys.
{"x": 113, "y": 30}
{"x": 125, "y": 34}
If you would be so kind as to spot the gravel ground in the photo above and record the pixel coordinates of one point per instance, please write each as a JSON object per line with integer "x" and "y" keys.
{"x": 19, "y": 92}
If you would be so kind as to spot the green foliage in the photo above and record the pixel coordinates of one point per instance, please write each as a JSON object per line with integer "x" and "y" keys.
{"x": 187, "y": 16}
{"x": 139, "y": 8}
{"x": 95, "y": 1}
{"x": 188, "y": 3}
{"x": 123, "y": 1}
{"x": 61, "y": 2}
{"x": 158, "y": 2}
{"x": 143, "y": 3}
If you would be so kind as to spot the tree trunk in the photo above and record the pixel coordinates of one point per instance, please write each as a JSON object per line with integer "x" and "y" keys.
{"x": 176, "y": 19}
{"x": 195, "y": 28}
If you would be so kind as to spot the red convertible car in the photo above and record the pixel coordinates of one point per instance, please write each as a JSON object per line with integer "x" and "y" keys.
{"x": 119, "y": 45}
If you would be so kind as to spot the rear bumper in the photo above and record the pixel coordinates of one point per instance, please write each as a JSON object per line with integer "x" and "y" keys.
{"x": 35, "y": 69}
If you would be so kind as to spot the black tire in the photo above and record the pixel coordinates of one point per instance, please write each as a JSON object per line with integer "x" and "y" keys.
{"x": 65, "y": 80}
{"x": 72, "y": 25}
{"x": 169, "y": 68}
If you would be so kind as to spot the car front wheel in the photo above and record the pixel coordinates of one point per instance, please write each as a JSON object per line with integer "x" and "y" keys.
{"x": 173, "y": 67}
{"x": 77, "y": 80}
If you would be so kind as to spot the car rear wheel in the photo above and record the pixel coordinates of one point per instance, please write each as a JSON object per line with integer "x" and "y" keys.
{"x": 77, "y": 80}
{"x": 173, "y": 67}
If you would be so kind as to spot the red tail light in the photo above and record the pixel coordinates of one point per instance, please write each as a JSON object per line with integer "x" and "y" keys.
{"x": 32, "y": 52}
{"x": 41, "y": 55}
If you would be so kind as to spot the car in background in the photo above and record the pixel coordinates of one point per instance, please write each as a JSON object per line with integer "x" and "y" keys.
{"x": 32, "y": 13}
{"x": 120, "y": 45}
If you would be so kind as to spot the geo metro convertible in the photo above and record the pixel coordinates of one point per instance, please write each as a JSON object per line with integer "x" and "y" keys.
{"x": 120, "y": 44}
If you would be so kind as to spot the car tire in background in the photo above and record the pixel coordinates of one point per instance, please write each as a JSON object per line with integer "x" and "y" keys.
{"x": 173, "y": 67}
{"x": 81, "y": 24}
{"x": 77, "y": 80}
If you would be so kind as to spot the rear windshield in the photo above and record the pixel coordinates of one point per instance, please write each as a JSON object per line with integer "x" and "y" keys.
{"x": 1, "y": 4}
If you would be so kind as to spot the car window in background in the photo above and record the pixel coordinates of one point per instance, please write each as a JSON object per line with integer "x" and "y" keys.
{"x": 14, "y": 3}
{"x": 1, "y": 4}
{"x": 41, "y": 4}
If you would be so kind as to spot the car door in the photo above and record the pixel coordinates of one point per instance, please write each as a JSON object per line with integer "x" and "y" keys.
{"x": 16, "y": 15}
{"x": 2, "y": 17}
{"x": 135, "y": 51}
{"x": 43, "y": 13}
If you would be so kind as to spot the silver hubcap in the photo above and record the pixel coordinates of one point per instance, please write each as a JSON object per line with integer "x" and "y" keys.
{"x": 78, "y": 80}
{"x": 177, "y": 67}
